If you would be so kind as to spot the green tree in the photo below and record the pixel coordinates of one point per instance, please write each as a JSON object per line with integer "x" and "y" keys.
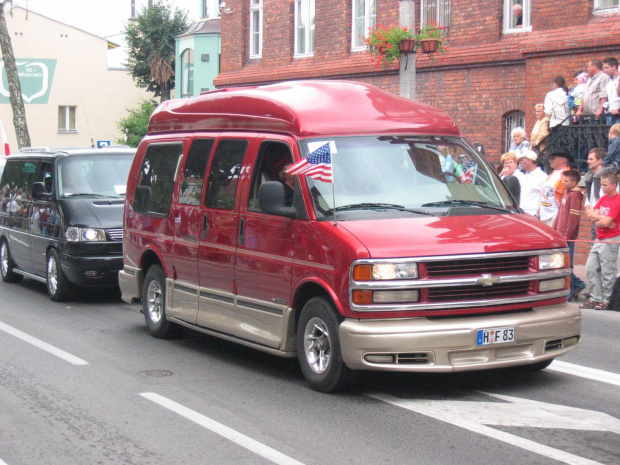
{"x": 134, "y": 126}
{"x": 15, "y": 88}
{"x": 151, "y": 47}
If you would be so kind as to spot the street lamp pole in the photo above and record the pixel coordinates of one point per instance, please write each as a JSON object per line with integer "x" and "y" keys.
{"x": 406, "y": 14}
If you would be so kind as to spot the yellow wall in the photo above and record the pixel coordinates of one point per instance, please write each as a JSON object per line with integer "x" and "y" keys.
{"x": 82, "y": 78}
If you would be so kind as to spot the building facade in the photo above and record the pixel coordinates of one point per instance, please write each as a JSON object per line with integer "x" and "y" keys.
{"x": 70, "y": 95}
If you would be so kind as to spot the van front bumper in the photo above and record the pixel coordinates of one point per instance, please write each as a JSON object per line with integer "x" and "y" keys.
{"x": 88, "y": 271}
{"x": 448, "y": 345}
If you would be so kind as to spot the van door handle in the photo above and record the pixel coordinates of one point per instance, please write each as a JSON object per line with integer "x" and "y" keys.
{"x": 241, "y": 231}
{"x": 204, "y": 226}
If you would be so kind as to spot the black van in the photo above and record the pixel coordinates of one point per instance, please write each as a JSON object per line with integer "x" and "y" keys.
{"x": 61, "y": 217}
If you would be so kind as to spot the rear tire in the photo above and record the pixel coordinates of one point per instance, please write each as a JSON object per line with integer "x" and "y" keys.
{"x": 154, "y": 304}
{"x": 59, "y": 288}
{"x": 318, "y": 347}
{"x": 7, "y": 266}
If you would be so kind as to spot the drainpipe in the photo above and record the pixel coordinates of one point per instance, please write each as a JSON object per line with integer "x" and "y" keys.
{"x": 406, "y": 14}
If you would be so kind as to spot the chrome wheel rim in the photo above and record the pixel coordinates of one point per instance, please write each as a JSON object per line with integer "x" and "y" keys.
{"x": 52, "y": 275}
{"x": 154, "y": 302}
{"x": 4, "y": 259}
{"x": 317, "y": 345}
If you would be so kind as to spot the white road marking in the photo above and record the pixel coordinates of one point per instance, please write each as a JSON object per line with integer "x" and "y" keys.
{"x": 585, "y": 372}
{"x": 222, "y": 430}
{"x": 42, "y": 345}
{"x": 475, "y": 416}
{"x": 2, "y": 462}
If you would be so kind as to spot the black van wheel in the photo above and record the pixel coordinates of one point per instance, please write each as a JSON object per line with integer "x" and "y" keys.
{"x": 318, "y": 347}
{"x": 58, "y": 286}
{"x": 154, "y": 304}
{"x": 7, "y": 265}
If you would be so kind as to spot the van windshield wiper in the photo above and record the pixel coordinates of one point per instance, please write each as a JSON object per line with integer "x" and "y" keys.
{"x": 378, "y": 206}
{"x": 91, "y": 194}
{"x": 469, "y": 203}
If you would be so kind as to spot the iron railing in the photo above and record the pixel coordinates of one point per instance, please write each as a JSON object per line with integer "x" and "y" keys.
{"x": 578, "y": 138}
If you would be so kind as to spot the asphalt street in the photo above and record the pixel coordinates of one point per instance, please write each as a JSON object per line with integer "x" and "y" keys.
{"x": 83, "y": 382}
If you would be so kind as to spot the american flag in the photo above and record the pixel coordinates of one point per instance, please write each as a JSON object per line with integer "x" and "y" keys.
{"x": 317, "y": 165}
{"x": 470, "y": 172}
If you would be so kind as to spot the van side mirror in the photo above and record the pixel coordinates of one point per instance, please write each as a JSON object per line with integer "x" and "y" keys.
{"x": 272, "y": 200}
{"x": 39, "y": 192}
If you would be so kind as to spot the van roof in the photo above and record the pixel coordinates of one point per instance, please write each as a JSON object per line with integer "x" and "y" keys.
{"x": 304, "y": 109}
{"x": 45, "y": 152}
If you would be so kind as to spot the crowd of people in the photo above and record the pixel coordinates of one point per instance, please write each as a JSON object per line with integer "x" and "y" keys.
{"x": 556, "y": 197}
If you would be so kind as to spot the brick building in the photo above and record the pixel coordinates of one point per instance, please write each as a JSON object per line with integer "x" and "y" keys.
{"x": 489, "y": 80}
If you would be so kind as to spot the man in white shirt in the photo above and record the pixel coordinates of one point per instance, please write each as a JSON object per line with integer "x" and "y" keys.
{"x": 610, "y": 68}
{"x": 532, "y": 182}
{"x": 553, "y": 189}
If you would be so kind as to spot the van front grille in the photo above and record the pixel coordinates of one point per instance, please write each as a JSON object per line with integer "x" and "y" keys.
{"x": 116, "y": 234}
{"x": 445, "y": 294}
{"x": 477, "y": 266}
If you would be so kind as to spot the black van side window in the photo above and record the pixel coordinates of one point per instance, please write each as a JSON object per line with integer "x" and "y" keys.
{"x": 156, "y": 178}
{"x": 224, "y": 174}
{"x": 17, "y": 181}
{"x": 194, "y": 171}
{"x": 273, "y": 157}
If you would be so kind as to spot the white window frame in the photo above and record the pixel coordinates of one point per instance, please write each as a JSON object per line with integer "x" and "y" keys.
{"x": 187, "y": 73}
{"x": 600, "y": 7}
{"x": 304, "y": 24}
{"x": 256, "y": 28}
{"x": 442, "y": 12}
{"x": 370, "y": 20}
{"x": 509, "y": 17}
{"x": 67, "y": 110}
{"x": 515, "y": 119}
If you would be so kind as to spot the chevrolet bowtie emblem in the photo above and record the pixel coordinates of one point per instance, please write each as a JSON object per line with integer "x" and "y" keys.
{"x": 487, "y": 280}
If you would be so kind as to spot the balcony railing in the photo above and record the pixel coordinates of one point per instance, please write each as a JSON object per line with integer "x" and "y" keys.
{"x": 578, "y": 138}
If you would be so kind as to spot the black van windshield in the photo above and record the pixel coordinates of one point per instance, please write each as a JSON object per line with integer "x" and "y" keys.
{"x": 101, "y": 175}
{"x": 400, "y": 176}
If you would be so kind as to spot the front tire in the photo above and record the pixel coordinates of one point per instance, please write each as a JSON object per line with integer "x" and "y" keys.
{"x": 318, "y": 347}
{"x": 7, "y": 266}
{"x": 58, "y": 286}
{"x": 154, "y": 304}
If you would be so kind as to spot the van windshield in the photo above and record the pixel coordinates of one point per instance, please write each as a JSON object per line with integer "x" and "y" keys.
{"x": 402, "y": 175}
{"x": 101, "y": 175}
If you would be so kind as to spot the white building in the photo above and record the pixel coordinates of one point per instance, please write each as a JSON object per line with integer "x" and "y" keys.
{"x": 71, "y": 96}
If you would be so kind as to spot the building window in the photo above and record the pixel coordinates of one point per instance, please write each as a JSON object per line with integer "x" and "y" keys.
{"x": 66, "y": 119}
{"x": 304, "y": 27}
{"x": 256, "y": 28}
{"x": 210, "y": 8}
{"x": 513, "y": 120}
{"x": 364, "y": 17}
{"x": 437, "y": 11}
{"x": 606, "y": 4}
{"x": 517, "y": 16}
{"x": 187, "y": 73}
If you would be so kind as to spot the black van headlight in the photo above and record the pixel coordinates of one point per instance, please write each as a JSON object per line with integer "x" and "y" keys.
{"x": 74, "y": 234}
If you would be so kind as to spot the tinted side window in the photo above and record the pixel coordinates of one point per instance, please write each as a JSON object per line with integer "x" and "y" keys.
{"x": 224, "y": 174}
{"x": 19, "y": 175}
{"x": 194, "y": 171}
{"x": 156, "y": 178}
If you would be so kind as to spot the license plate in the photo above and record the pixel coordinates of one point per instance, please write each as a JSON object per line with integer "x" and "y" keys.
{"x": 495, "y": 336}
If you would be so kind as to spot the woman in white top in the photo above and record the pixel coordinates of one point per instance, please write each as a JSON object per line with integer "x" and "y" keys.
{"x": 519, "y": 142}
{"x": 556, "y": 103}
{"x": 509, "y": 166}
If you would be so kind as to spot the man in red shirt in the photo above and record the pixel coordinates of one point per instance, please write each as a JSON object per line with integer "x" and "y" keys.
{"x": 601, "y": 267}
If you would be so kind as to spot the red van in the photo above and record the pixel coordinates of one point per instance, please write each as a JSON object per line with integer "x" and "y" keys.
{"x": 343, "y": 225}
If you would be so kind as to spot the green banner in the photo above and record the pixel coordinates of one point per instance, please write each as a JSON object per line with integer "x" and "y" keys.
{"x": 35, "y": 78}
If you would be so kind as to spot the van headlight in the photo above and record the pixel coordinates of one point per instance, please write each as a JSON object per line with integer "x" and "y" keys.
{"x": 385, "y": 271}
{"x": 553, "y": 261}
{"x": 74, "y": 234}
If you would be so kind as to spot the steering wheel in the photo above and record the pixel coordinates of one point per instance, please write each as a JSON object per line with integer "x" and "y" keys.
{"x": 448, "y": 173}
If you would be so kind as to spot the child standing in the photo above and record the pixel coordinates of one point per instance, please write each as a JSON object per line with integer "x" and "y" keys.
{"x": 567, "y": 223}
